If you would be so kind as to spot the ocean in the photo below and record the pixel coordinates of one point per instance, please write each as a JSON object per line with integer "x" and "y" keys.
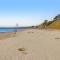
{"x": 12, "y": 30}
{"x": 7, "y": 30}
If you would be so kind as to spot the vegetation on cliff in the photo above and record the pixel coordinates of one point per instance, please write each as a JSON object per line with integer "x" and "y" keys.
{"x": 54, "y": 24}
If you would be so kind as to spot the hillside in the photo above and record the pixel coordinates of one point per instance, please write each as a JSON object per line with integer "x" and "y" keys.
{"x": 54, "y": 25}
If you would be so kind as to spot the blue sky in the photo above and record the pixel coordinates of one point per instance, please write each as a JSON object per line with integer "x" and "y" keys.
{"x": 27, "y": 12}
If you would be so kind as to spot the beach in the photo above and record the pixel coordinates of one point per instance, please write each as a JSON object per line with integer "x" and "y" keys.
{"x": 38, "y": 44}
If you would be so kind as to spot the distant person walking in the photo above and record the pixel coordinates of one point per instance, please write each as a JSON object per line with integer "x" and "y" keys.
{"x": 16, "y": 27}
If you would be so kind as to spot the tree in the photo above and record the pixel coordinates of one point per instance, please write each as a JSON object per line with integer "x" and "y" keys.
{"x": 45, "y": 23}
{"x": 57, "y": 17}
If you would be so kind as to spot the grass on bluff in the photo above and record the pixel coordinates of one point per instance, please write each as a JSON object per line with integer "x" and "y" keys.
{"x": 54, "y": 25}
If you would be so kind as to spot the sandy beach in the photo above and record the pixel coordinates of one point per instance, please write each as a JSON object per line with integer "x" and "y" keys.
{"x": 38, "y": 45}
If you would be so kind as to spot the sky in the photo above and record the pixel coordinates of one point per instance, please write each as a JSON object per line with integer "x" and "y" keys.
{"x": 27, "y": 12}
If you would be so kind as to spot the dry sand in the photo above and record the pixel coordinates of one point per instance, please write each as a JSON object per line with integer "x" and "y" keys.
{"x": 37, "y": 44}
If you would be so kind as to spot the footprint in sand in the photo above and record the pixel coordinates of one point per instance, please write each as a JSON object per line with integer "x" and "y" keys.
{"x": 58, "y": 39}
{"x": 22, "y": 50}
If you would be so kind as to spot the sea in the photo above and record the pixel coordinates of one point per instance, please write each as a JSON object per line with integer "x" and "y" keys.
{"x": 2, "y": 30}
{"x": 7, "y": 30}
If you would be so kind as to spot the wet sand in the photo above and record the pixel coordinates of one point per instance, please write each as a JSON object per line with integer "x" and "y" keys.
{"x": 7, "y": 35}
{"x": 37, "y": 44}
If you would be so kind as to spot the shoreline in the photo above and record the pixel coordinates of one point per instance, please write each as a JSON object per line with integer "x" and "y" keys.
{"x": 6, "y": 35}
